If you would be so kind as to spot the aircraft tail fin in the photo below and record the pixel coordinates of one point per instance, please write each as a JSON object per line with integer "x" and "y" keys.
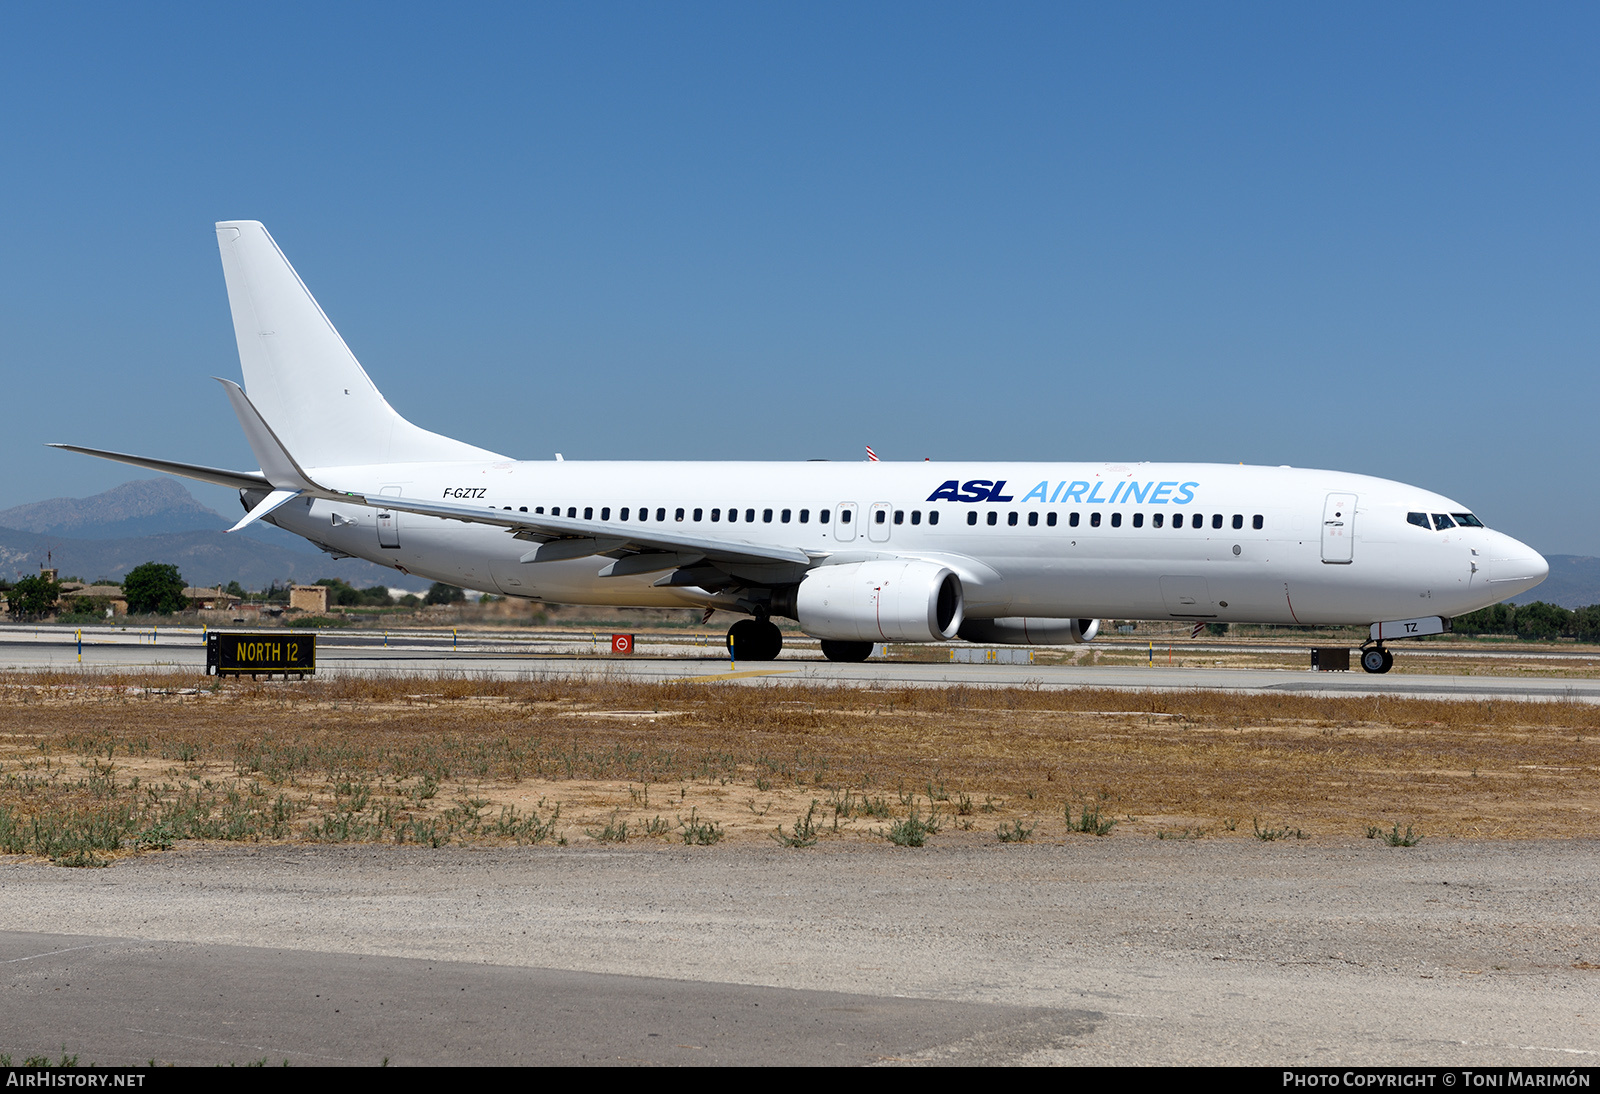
{"x": 301, "y": 376}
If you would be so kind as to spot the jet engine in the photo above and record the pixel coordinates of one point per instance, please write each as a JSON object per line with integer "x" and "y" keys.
{"x": 1031, "y": 630}
{"x": 897, "y": 601}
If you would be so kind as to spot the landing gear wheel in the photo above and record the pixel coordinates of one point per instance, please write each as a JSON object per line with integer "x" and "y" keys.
{"x": 1377, "y": 659}
{"x": 846, "y": 651}
{"x": 754, "y": 640}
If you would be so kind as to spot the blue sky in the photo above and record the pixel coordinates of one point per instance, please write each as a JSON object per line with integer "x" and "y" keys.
{"x": 1352, "y": 236}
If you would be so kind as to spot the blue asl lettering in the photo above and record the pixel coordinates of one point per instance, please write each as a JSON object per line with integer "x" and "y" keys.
{"x": 1037, "y": 491}
{"x": 994, "y": 495}
{"x": 1185, "y": 494}
{"x": 948, "y": 491}
{"x": 975, "y": 490}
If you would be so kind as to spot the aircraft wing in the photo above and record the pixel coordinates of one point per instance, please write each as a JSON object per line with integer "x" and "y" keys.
{"x": 565, "y": 537}
{"x": 239, "y": 480}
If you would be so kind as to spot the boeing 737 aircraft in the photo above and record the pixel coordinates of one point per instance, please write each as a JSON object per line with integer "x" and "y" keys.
{"x": 857, "y": 553}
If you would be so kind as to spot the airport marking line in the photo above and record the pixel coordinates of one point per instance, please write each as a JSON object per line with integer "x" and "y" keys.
{"x": 735, "y": 675}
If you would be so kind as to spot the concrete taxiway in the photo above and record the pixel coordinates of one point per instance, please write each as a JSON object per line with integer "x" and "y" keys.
{"x": 583, "y": 655}
{"x": 1108, "y": 951}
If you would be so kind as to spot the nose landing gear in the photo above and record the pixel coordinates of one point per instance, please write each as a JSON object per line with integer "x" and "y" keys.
{"x": 1377, "y": 659}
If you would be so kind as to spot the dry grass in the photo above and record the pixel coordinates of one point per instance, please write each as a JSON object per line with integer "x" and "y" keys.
{"x": 92, "y": 766}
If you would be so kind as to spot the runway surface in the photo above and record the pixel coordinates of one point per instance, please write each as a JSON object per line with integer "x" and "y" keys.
{"x": 1107, "y": 951}
{"x": 567, "y": 654}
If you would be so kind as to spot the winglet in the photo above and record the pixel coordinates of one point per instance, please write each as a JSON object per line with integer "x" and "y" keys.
{"x": 276, "y": 462}
{"x": 265, "y": 506}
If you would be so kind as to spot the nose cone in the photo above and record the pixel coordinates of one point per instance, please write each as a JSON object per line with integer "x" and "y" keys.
{"x": 1513, "y": 567}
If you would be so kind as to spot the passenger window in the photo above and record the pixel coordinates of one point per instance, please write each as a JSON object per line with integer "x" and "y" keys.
{"x": 1116, "y": 520}
{"x": 899, "y": 516}
{"x": 661, "y": 514}
{"x": 522, "y": 508}
{"x": 1216, "y": 520}
{"x": 1238, "y": 520}
{"x": 1138, "y": 520}
{"x": 1094, "y": 520}
{"x": 766, "y": 516}
{"x": 1011, "y": 519}
{"x": 916, "y": 516}
{"x": 1050, "y": 520}
{"x": 881, "y": 517}
{"x": 972, "y": 518}
{"x": 1177, "y": 520}
{"x": 716, "y": 515}
{"x": 750, "y": 516}
{"x": 588, "y": 512}
{"x": 1156, "y": 519}
{"x": 784, "y": 516}
{"x": 844, "y": 516}
{"x": 1256, "y": 522}
{"x": 605, "y": 514}
{"x": 994, "y": 518}
{"x": 572, "y": 511}
{"x": 1073, "y": 520}
{"x": 822, "y": 516}
{"x": 539, "y": 509}
{"x": 1033, "y": 520}
{"x": 698, "y": 513}
{"x": 1441, "y": 522}
{"x": 733, "y": 515}
{"x": 933, "y": 517}
{"x": 678, "y": 515}
{"x": 805, "y": 516}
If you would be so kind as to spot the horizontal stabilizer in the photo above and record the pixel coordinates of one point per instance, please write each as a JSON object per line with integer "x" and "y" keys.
{"x": 238, "y": 480}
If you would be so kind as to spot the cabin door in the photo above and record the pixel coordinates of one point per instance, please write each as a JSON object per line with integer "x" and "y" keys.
{"x": 1338, "y": 528}
{"x": 389, "y": 522}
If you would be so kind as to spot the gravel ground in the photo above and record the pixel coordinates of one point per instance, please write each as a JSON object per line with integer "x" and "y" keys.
{"x": 1162, "y": 952}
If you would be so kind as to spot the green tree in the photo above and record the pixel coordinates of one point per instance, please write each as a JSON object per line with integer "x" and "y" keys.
{"x": 33, "y": 597}
{"x": 154, "y": 587}
{"x": 440, "y": 593}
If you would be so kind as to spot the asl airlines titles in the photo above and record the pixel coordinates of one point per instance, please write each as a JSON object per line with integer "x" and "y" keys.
{"x": 1125, "y": 493}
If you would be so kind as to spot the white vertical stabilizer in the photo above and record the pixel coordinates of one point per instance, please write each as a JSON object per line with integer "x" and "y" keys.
{"x": 301, "y": 376}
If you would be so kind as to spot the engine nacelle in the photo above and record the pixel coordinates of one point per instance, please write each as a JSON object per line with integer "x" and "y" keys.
{"x": 895, "y": 601}
{"x": 1027, "y": 630}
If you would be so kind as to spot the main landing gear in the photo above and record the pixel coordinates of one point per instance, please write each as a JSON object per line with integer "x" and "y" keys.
{"x": 754, "y": 640}
{"x": 1377, "y": 659}
{"x": 835, "y": 650}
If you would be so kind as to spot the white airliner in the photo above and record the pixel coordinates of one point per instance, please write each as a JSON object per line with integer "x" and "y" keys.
{"x": 857, "y": 553}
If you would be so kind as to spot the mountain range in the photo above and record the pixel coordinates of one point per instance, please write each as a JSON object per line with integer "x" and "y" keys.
{"x": 158, "y": 520}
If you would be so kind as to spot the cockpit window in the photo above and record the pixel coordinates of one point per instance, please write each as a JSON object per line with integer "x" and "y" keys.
{"x": 1419, "y": 519}
{"x": 1441, "y": 521}
{"x": 1467, "y": 520}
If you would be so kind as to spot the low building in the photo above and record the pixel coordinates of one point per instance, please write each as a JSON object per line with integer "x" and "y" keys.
{"x": 214, "y": 599}
{"x": 308, "y": 598}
